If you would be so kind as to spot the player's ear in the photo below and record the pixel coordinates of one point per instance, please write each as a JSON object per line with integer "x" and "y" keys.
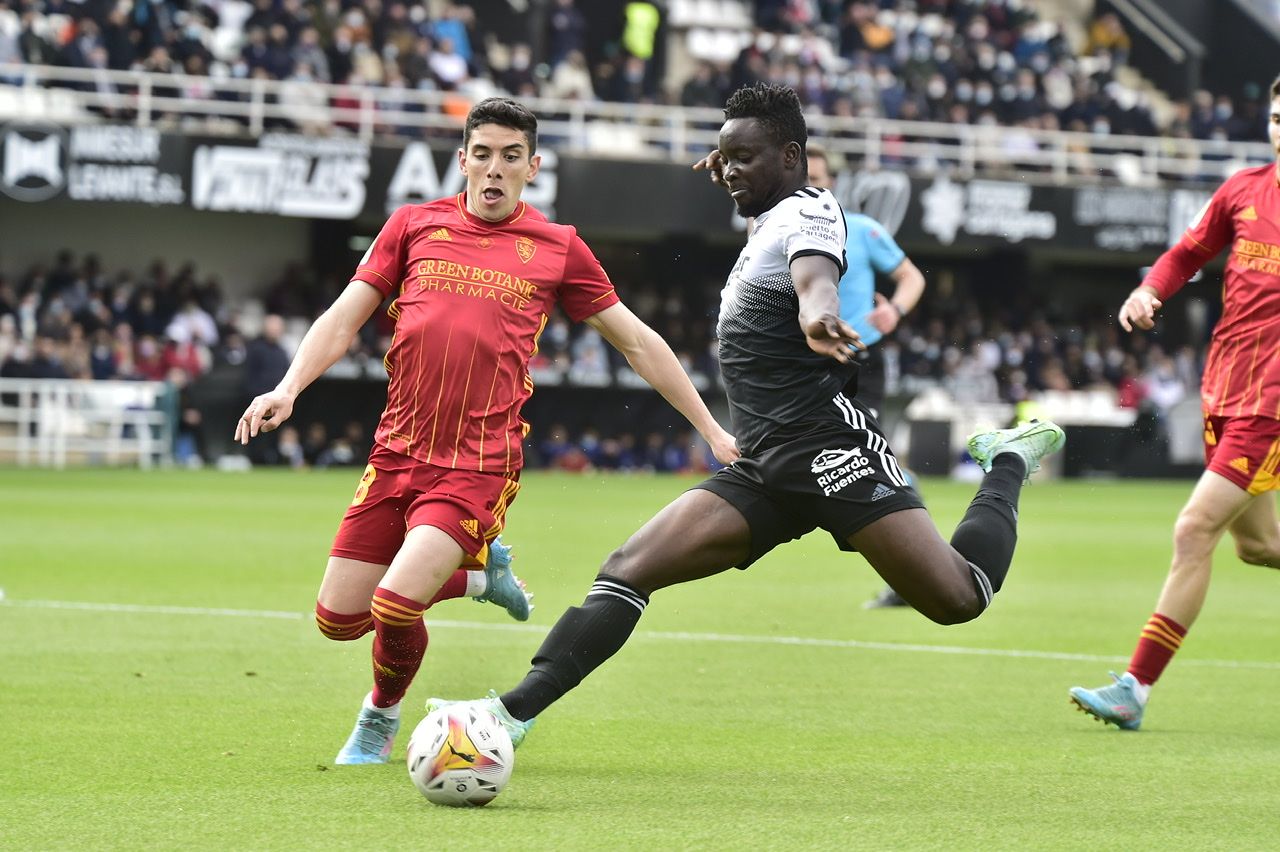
{"x": 535, "y": 163}
{"x": 462, "y": 160}
{"x": 791, "y": 154}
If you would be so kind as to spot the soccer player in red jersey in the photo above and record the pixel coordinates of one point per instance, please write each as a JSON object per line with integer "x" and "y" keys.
{"x": 475, "y": 277}
{"x": 1240, "y": 395}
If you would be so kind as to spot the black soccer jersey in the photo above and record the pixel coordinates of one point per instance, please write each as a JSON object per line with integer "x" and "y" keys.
{"x": 771, "y": 376}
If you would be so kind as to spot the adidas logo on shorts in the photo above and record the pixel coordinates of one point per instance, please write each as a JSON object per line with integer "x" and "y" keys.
{"x": 881, "y": 491}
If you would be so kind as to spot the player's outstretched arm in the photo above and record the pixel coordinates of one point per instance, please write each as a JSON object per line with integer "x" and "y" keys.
{"x": 816, "y": 278}
{"x": 1140, "y": 309}
{"x": 325, "y": 342}
{"x": 651, "y": 358}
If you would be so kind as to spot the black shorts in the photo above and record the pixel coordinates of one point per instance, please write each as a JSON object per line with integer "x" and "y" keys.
{"x": 837, "y": 474}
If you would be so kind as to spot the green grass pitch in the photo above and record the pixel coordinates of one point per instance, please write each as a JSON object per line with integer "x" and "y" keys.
{"x": 756, "y": 710}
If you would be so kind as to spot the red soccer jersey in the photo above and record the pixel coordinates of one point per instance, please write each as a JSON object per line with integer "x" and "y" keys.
{"x": 473, "y": 298}
{"x": 1242, "y": 371}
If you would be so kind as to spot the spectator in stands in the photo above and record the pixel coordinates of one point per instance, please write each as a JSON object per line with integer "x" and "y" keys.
{"x": 517, "y": 78}
{"x": 571, "y": 79}
{"x": 449, "y": 66}
{"x": 192, "y": 324}
{"x": 39, "y": 361}
{"x": 289, "y": 447}
{"x": 1107, "y": 36}
{"x": 704, "y": 88}
{"x": 568, "y": 31}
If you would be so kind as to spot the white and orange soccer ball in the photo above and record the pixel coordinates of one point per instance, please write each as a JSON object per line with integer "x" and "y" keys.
{"x": 460, "y": 755}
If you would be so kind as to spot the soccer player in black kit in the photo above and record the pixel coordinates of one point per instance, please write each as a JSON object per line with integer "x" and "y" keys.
{"x": 811, "y": 456}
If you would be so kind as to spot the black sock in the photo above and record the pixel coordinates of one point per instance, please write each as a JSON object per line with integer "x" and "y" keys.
{"x": 583, "y": 638}
{"x": 989, "y": 530}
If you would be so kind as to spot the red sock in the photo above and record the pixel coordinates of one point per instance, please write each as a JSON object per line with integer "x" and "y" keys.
{"x": 454, "y": 587}
{"x": 1160, "y": 640}
{"x": 342, "y": 627}
{"x": 400, "y": 640}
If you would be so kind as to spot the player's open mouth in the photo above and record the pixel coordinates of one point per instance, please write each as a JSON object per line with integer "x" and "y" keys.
{"x": 492, "y": 193}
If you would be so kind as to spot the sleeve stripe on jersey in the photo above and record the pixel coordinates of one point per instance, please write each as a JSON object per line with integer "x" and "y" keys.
{"x": 807, "y": 191}
{"x": 1199, "y": 244}
{"x": 357, "y": 277}
{"x": 602, "y": 296}
{"x": 840, "y": 264}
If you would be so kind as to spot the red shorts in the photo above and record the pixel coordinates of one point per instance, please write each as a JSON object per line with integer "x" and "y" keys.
{"x": 1245, "y": 450}
{"x": 397, "y": 493}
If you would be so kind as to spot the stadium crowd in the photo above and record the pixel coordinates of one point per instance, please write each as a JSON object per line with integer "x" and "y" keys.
{"x": 72, "y": 319}
{"x": 980, "y": 62}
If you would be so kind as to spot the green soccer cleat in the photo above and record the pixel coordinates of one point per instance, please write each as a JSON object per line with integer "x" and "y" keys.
{"x": 1116, "y": 704}
{"x": 370, "y": 740}
{"x": 516, "y": 729}
{"x": 503, "y": 587}
{"x": 1031, "y": 441}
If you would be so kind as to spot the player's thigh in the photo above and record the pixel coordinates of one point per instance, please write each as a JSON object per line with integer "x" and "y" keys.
{"x": 425, "y": 560}
{"x": 1214, "y": 504}
{"x": 697, "y": 535}
{"x": 907, "y": 551}
{"x": 348, "y": 584}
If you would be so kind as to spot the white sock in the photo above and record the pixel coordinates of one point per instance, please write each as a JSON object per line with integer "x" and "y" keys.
{"x": 393, "y": 711}
{"x": 1141, "y": 691}
{"x": 477, "y": 584}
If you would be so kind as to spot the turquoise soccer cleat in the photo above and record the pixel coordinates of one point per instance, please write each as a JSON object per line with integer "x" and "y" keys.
{"x": 1116, "y": 704}
{"x": 1031, "y": 441}
{"x": 516, "y": 729}
{"x": 503, "y": 587}
{"x": 370, "y": 740}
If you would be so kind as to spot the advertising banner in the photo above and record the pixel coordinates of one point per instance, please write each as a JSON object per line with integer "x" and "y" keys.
{"x": 94, "y": 162}
{"x": 285, "y": 174}
{"x": 341, "y": 178}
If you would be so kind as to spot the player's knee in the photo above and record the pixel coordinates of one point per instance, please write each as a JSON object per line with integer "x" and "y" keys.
{"x": 953, "y": 607}
{"x": 626, "y": 564}
{"x": 1194, "y": 534}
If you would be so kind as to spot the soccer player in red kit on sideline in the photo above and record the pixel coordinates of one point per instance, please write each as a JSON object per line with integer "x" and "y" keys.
{"x": 476, "y": 276}
{"x": 1240, "y": 397}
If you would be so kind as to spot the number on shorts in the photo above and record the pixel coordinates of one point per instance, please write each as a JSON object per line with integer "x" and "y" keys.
{"x": 362, "y": 490}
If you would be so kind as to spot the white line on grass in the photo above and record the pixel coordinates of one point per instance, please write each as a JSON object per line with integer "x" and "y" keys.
{"x": 728, "y": 638}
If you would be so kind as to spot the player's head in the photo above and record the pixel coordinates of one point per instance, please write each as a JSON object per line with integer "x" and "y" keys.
{"x": 498, "y": 156}
{"x": 819, "y": 167}
{"x": 762, "y": 145}
{"x": 1273, "y": 118}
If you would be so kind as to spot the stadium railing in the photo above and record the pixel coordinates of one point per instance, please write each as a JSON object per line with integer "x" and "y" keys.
{"x": 628, "y": 131}
{"x": 56, "y": 422}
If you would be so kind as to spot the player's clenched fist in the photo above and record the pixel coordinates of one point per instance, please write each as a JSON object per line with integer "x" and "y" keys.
{"x": 1140, "y": 309}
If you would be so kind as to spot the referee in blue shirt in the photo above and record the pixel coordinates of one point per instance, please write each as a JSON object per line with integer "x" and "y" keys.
{"x": 870, "y": 250}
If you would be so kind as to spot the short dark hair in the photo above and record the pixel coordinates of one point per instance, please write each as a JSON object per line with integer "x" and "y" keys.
{"x": 1275, "y": 88}
{"x": 503, "y": 112}
{"x": 776, "y": 107}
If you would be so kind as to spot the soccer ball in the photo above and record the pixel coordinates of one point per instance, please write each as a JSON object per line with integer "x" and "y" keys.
{"x": 460, "y": 755}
